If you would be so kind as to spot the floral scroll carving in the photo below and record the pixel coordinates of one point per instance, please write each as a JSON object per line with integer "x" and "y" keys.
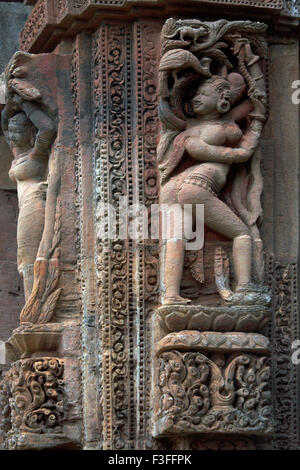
{"x": 216, "y": 393}
{"x": 33, "y": 390}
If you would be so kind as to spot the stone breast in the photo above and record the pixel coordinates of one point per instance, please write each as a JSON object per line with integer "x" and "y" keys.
{"x": 27, "y": 168}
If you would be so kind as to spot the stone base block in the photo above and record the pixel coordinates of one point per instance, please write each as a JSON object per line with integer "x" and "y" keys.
{"x": 40, "y": 402}
{"x": 212, "y": 383}
{"x": 33, "y": 340}
{"x": 245, "y": 318}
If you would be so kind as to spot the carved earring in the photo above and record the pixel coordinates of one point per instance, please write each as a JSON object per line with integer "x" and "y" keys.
{"x": 188, "y": 109}
{"x": 223, "y": 105}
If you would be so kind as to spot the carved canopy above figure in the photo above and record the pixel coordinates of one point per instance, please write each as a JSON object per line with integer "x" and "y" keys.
{"x": 52, "y": 20}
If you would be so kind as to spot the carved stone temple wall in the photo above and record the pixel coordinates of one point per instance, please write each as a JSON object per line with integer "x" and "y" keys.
{"x": 140, "y": 343}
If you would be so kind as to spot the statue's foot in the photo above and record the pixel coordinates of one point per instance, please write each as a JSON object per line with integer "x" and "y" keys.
{"x": 176, "y": 299}
{"x": 251, "y": 294}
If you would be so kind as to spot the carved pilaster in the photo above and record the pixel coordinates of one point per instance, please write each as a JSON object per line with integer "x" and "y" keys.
{"x": 113, "y": 160}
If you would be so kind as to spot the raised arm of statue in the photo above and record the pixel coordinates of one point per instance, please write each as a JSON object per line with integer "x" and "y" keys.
{"x": 41, "y": 121}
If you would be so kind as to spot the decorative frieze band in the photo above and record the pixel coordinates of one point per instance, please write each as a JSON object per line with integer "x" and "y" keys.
{"x": 52, "y": 20}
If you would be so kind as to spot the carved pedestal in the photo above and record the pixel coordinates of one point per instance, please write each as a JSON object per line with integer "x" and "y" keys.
{"x": 219, "y": 318}
{"x": 217, "y": 383}
{"x": 41, "y": 392}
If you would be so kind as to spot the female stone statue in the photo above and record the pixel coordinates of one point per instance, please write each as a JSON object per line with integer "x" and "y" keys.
{"x": 29, "y": 170}
{"x": 30, "y": 128}
{"x": 195, "y": 162}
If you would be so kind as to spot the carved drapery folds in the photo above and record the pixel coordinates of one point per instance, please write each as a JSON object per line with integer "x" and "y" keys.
{"x": 213, "y": 105}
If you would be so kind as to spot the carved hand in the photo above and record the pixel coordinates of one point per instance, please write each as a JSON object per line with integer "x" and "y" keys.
{"x": 17, "y": 100}
{"x": 11, "y": 103}
{"x": 242, "y": 48}
{"x": 259, "y": 100}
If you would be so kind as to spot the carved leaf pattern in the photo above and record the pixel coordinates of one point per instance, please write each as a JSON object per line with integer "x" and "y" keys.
{"x": 36, "y": 395}
{"x": 201, "y": 393}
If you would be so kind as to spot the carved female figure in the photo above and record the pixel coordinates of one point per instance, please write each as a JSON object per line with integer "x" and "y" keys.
{"x": 29, "y": 170}
{"x": 29, "y": 126}
{"x": 195, "y": 164}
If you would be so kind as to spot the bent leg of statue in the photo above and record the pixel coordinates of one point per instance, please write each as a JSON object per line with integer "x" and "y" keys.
{"x": 241, "y": 253}
{"x": 30, "y": 230}
{"x": 259, "y": 260}
{"x": 220, "y": 218}
{"x": 174, "y": 259}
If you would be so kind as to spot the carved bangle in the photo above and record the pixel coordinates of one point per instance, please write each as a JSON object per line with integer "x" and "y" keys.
{"x": 258, "y": 78}
{"x": 231, "y": 159}
{"x": 258, "y": 117}
{"x": 253, "y": 60}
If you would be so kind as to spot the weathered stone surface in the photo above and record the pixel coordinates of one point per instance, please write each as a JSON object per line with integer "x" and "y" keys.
{"x": 219, "y": 318}
{"x": 205, "y": 95}
{"x": 212, "y": 393}
{"x": 12, "y": 19}
{"x": 11, "y": 288}
{"x": 224, "y": 443}
{"x": 281, "y": 236}
{"x": 51, "y": 21}
{"x": 5, "y": 163}
{"x": 41, "y": 403}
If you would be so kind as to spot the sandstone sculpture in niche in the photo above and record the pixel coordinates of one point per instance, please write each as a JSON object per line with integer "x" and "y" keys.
{"x": 38, "y": 411}
{"x": 30, "y": 132}
{"x": 212, "y": 111}
{"x": 212, "y": 373}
